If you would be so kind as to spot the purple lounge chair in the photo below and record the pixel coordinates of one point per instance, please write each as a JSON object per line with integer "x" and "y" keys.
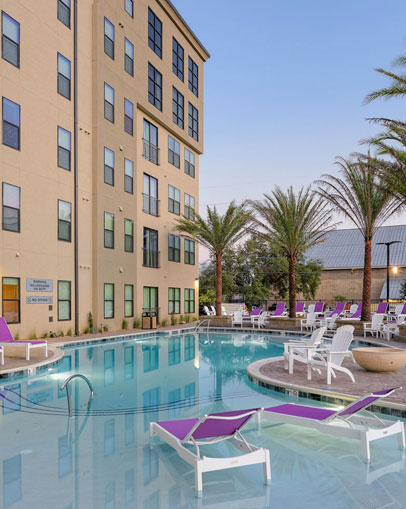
{"x": 382, "y": 308}
{"x": 340, "y": 306}
{"x": 7, "y": 340}
{"x": 279, "y": 310}
{"x": 299, "y": 308}
{"x": 318, "y": 307}
{"x": 210, "y": 429}
{"x": 356, "y": 315}
{"x": 341, "y": 422}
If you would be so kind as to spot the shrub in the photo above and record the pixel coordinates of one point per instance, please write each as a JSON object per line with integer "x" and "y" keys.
{"x": 194, "y": 319}
{"x": 70, "y": 332}
{"x": 100, "y": 329}
{"x": 136, "y": 323}
{"x": 33, "y": 335}
{"x": 105, "y": 328}
{"x": 181, "y": 318}
{"x": 124, "y": 324}
{"x": 164, "y": 322}
{"x": 187, "y": 318}
{"x": 90, "y": 320}
{"x": 17, "y": 336}
{"x": 174, "y": 320}
{"x": 86, "y": 330}
{"x": 45, "y": 335}
{"x": 339, "y": 298}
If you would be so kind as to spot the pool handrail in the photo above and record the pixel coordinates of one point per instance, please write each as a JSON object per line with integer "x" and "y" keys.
{"x": 200, "y": 324}
{"x": 66, "y": 385}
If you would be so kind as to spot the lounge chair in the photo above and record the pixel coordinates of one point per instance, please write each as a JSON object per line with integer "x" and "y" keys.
{"x": 213, "y": 311}
{"x": 339, "y": 309}
{"x": 342, "y": 423}
{"x": 7, "y": 341}
{"x": 210, "y": 429}
{"x": 308, "y": 322}
{"x": 318, "y": 307}
{"x": 374, "y": 327}
{"x": 381, "y": 309}
{"x": 355, "y": 312}
{"x": 310, "y": 308}
{"x": 299, "y": 308}
{"x": 254, "y": 313}
{"x": 279, "y": 310}
{"x": 236, "y": 319}
{"x": 329, "y": 322}
{"x": 300, "y": 350}
{"x": 259, "y": 321}
{"x": 207, "y": 311}
{"x": 332, "y": 356}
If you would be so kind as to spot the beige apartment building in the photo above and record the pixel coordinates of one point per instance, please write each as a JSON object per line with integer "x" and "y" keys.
{"x": 102, "y": 128}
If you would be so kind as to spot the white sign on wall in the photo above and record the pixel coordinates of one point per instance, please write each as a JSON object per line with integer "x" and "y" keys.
{"x": 39, "y": 285}
{"x": 39, "y": 300}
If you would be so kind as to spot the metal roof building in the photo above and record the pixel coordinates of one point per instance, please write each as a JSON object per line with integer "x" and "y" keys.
{"x": 344, "y": 249}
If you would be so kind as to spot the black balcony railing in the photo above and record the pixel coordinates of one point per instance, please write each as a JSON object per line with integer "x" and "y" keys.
{"x": 150, "y": 151}
{"x": 151, "y": 258}
{"x": 150, "y": 205}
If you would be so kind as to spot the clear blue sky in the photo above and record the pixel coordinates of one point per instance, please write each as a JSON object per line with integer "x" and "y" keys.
{"x": 285, "y": 85}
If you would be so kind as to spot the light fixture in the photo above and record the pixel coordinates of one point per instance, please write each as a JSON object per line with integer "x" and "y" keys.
{"x": 197, "y": 284}
{"x": 395, "y": 270}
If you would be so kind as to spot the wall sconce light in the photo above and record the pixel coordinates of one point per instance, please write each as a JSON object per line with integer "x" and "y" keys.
{"x": 395, "y": 270}
{"x": 197, "y": 284}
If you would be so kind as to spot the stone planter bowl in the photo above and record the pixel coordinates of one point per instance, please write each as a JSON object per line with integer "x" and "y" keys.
{"x": 380, "y": 359}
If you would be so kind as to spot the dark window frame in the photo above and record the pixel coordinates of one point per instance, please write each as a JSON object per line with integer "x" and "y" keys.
{"x": 64, "y": 149}
{"x": 109, "y": 169}
{"x": 190, "y": 169}
{"x": 128, "y": 300}
{"x": 108, "y": 300}
{"x": 65, "y": 300}
{"x": 128, "y": 120}
{"x": 193, "y": 122}
{"x": 62, "y": 78}
{"x": 11, "y": 124}
{"x": 106, "y": 230}
{"x": 18, "y": 300}
{"x": 129, "y": 179}
{"x": 178, "y": 108}
{"x": 108, "y": 103}
{"x": 188, "y": 209}
{"x": 150, "y": 151}
{"x": 189, "y": 254}
{"x": 150, "y": 203}
{"x": 132, "y": 7}
{"x": 178, "y": 59}
{"x": 174, "y": 250}
{"x": 193, "y": 77}
{"x": 188, "y": 301}
{"x": 62, "y": 4}
{"x": 154, "y": 33}
{"x": 173, "y": 154}
{"x": 65, "y": 222}
{"x": 11, "y": 208}
{"x": 150, "y": 256}
{"x": 9, "y": 40}
{"x": 128, "y": 59}
{"x": 129, "y": 237}
{"x": 108, "y": 40}
{"x": 174, "y": 305}
{"x": 173, "y": 203}
{"x": 155, "y": 86}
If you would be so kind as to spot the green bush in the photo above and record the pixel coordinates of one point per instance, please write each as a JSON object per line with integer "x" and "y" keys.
{"x": 105, "y": 328}
{"x": 181, "y": 318}
{"x": 174, "y": 320}
{"x": 187, "y": 318}
{"x": 124, "y": 324}
{"x": 136, "y": 323}
{"x": 194, "y": 319}
{"x": 17, "y": 336}
{"x": 90, "y": 320}
{"x": 86, "y": 330}
{"x": 33, "y": 335}
{"x": 340, "y": 298}
{"x": 164, "y": 322}
{"x": 100, "y": 329}
{"x": 70, "y": 332}
{"x": 45, "y": 335}
{"x": 61, "y": 334}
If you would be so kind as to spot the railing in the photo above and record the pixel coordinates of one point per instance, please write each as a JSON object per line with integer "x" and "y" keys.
{"x": 66, "y": 385}
{"x": 201, "y": 323}
{"x": 150, "y": 205}
{"x": 150, "y": 258}
{"x": 150, "y": 151}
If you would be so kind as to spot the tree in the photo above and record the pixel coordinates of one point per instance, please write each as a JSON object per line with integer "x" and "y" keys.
{"x": 397, "y": 87}
{"x": 292, "y": 224}
{"x": 403, "y": 290}
{"x": 217, "y": 233}
{"x": 362, "y": 197}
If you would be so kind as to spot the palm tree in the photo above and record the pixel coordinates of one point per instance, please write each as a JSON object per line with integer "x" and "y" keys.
{"x": 217, "y": 233}
{"x": 362, "y": 197}
{"x": 398, "y": 86}
{"x": 292, "y": 223}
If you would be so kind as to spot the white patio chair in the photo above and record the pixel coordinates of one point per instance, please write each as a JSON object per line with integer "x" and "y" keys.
{"x": 310, "y": 308}
{"x": 207, "y": 311}
{"x": 375, "y": 326}
{"x": 308, "y": 322}
{"x": 351, "y": 311}
{"x": 298, "y": 350}
{"x": 332, "y": 356}
{"x": 259, "y": 321}
{"x": 329, "y": 322}
{"x": 236, "y": 319}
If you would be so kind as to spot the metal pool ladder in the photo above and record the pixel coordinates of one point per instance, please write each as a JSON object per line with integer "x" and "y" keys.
{"x": 201, "y": 323}
{"x": 66, "y": 385}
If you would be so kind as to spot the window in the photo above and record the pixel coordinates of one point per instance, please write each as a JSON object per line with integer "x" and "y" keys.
{"x": 190, "y": 348}
{"x": 193, "y": 122}
{"x": 150, "y": 142}
{"x": 189, "y": 252}
{"x": 178, "y": 108}
{"x": 109, "y": 102}
{"x": 151, "y": 304}
{"x": 63, "y": 76}
{"x": 173, "y": 248}
{"x": 154, "y": 87}
{"x": 64, "y": 12}
{"x": 128, "y": 235}
{"x": 109, "y": 230}
{"x": 128, "y": 176}
{"x": 189, "y": 300}
{"x": 64, "y": 220}
{"x": 11, "y": 124}
{"x": 109, "y": 38}
{"x": 151, "y": 258}
{"x": 177, "y": 59}
{"x": 10, "y": 39}
{"x": 173, "y": 351}
{"x": 129, "y": 301}
{"x": 129, "y": 57}
{"x": 108, "y": 166}
{"x": 173, "y": 152}
{"x": 174, "y": 200}
{"x": 64, "y": 300}
{"x": 64, "y": 148}
{"x": 189, "y": 163}
{"x": 108, "y": 300}
{"x": 189, "y": 206}
{"x": 11, "y": 299}
{"x": 174, "y": 301}
{"x": 128, "y": 117}
{"x": 193, "y": 80}
{"x": 129, "y": 7}
{"x": 154, "y": 33}
{"x": 150, "y": 195}
{"x": 11, "y": 208}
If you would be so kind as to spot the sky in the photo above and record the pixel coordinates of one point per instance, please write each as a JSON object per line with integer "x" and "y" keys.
{"x": 284, "y": 88}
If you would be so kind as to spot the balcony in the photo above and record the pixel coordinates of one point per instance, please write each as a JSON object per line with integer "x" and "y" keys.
{"x": 150, "y": 151}
{"x": 150, "y": 205}
{"x": 150, "y": 258}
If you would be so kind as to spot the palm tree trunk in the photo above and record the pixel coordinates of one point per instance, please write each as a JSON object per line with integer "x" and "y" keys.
{"x": 219, "y": 283}
{"x": 292, "y": 287}
{"x": 366, "y": 285}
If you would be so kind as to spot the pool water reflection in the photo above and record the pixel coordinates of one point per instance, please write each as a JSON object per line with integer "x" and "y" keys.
{"x": 103, "y": 458}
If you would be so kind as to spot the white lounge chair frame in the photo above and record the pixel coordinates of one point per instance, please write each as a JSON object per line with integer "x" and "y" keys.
{"x": 252, "y": 454}
{"x": 237, "y": 319}
{"x": 375, "y": 326}
{"x": 2, "y": 354}
{"x": 345, "y": 427}
{"x": 309, "y": 321}
{"x": 298, "y": 350}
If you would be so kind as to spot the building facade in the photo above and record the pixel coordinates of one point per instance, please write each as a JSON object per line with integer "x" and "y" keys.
{"x": 102, "y": 128}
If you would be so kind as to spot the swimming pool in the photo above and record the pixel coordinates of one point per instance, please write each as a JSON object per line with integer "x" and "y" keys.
{"x": 103, "y": 459}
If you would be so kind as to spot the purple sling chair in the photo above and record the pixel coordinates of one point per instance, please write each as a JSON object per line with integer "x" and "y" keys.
{"x": 382, "y": 308}
{"x": 329, "y": 421}
{"x": 340, "y": 306}
{"x": 279, "y": 310}
{"x": 318, "y": 307}
{"x": 7, "y": 340}
{"x": 300, "y": 308}
{"x": 210, "y": 429}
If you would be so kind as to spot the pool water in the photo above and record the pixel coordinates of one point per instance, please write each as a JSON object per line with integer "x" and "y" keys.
{"x": 102, "y": 458}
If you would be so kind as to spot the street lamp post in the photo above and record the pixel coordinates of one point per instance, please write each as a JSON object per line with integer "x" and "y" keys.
{"x": 388, "y": 245}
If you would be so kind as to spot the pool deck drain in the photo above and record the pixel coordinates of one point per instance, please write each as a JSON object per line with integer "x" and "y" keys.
{"x": 270, "y": 373}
